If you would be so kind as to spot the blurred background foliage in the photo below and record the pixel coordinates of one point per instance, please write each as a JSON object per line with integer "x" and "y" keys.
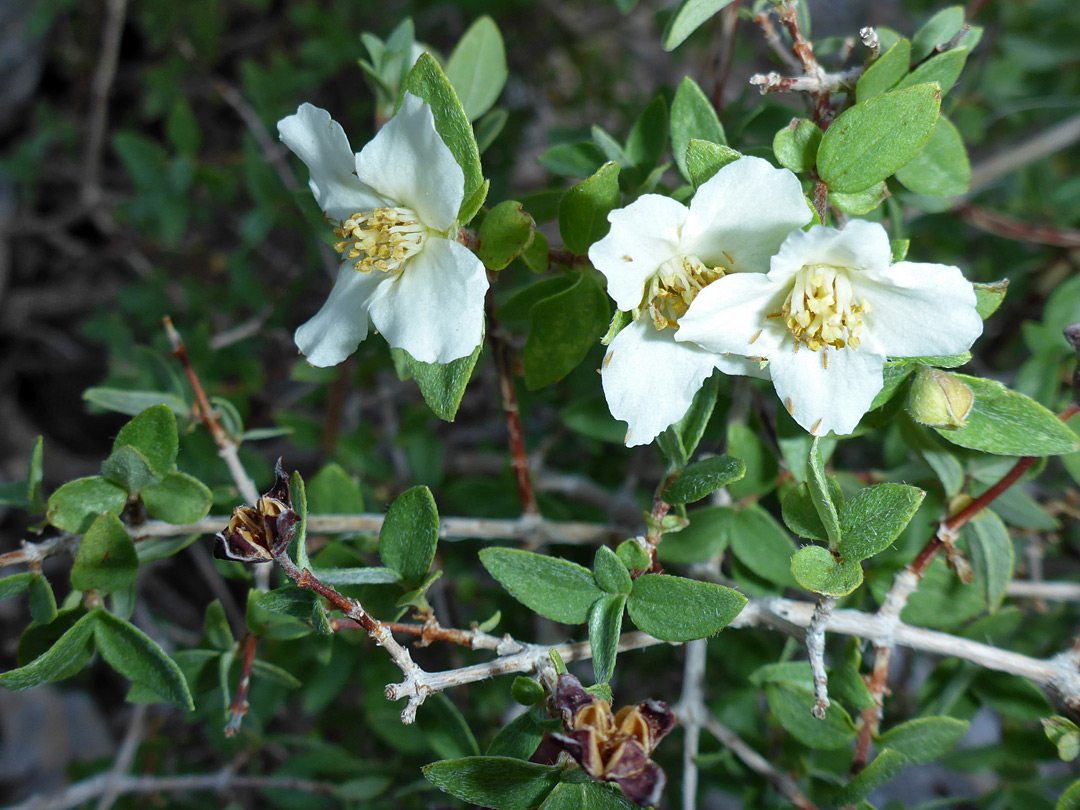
{"x": 192, "y": 209}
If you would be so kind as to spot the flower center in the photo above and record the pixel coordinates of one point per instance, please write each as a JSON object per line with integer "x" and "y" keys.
{"x": 382, "y": 239}
{"x": 821, "y": 309}
{"x": 674, "y": 287}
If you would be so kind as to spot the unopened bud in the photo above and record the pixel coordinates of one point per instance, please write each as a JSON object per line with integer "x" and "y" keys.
{"x": 939, "y": 399}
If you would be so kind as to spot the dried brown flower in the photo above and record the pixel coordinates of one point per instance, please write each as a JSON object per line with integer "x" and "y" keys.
{"x": 261, "y": 532}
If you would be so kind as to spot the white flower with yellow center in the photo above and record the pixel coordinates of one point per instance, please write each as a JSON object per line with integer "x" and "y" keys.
{"x": 394, "y": 207}
{"x": 658, "y": 257}
{"x": 826, "y": 316}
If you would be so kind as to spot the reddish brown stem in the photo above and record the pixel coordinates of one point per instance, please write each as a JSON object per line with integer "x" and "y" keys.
{"x": 1012, "y": 228}
{"x": 239, "y": 706}
{"x": 202, "y": 402}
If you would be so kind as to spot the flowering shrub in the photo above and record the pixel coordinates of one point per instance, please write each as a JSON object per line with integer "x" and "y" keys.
{"x": 846, "y": 533}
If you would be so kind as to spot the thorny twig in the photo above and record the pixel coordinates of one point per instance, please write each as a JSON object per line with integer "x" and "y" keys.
{"x": 907, "y": 581}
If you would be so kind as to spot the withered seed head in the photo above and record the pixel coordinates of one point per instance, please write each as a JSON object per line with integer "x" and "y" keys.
{"x": 261, "y": 532}
{"x": 614, "y": 748}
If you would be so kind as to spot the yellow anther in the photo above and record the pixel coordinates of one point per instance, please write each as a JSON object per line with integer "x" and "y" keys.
{"x": 674, "y": 287}
{"x": 820, "y": 311}
{"x": 381, "y": 239}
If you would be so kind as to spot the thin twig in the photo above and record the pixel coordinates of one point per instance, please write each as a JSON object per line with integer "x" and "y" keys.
{"x": 239, "y": 707}
{"x": 1046, "y": 142}
{"x": 690, "y": 708}
{"x": 126, "y": 755}
{"x": 88, "y": 789}
{"x": 1012, "y": 228}
{"x": 100, "y": 88}
{"x": 815, "y": 647}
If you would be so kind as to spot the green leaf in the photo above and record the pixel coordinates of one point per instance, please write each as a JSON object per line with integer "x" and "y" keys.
{"x": 872, "y": 519}
{"x": 988, "y": 297}
{"x": 860, "y": 202}
{"x": 800, "y": 514}
{"x": 992, "y": 555}
{"x": 506, "y": 233}
{"x": 477, "y": 67}
{"x": 680, "y": 440}
{"x": 704, "y": 159}
{"x": 35, "y": 502}
{"x": 106, "y": 559}
{"x": 182, "y": 127}
{"x": 128, "y": 468}
{"x": 562, "y": 330}
{"x": 610, "y": 573}
{"x": 427, "y": 81}
{"x": 527, "y": 691}
{"x": 579, "y": 159}
{"x": 938, "y": 30}
{"x": 885, "y": 767}
{"x": 553, "y": 587}
{"x": 1007, "y": 423}
{"x": 817, "y": 570}
{"x": 707, "y": 535}
{"x": 488, "y": 127}
{"x": 944, "y": 463}
{"x": 869, "y": 142}
{"x": 275, "y": 674}
{"x": 358, "y": 576}
{"x": 605, "y": 625}
{"x": 677, "y": 609}
{"x": 153, "y": 434}
{"x": 502, "y": 783}
{"x": 822, "y": 495}
{"x": 633, "y": 556}
{"x": 759, "y": 458}
{"x": 63, "y": 659}
{"x": 77, "y": 503}
{"x": 885, "y": 73}
{"x": 42, "y": 600}
{"x": 445, "y": 729}
{"x": 298, "y": 545}
{"x": 649, "y": 135}
{"x": 584, "y": 208}
{"x": 334, "y": 492}
{"x": 409, "y": 535}
{"x": 443, "y": 385}
{"x": 791, "y": 706}
{"x": 178, "y": 499}
{"x": 1064, "y": 734}
{"x": 1070, "y": 799}
{"x": 796, "y": 145}
{"x": 15, "y": 584}
{"x": 703, "y": 478}
{"x": 298, "y": 603}
{"x": 687, "y": 18}
{"x": 134, "y": 402}
{"x": 924, "y": 739}
{"x": 942, "y": 168}
{"x": 944, "y": 69}
{"x": 136, "y": 656}
{"x": 216, "y": 627}
{"x": 760, "y": 543}
{"x": 693, "y": 117}
{"x": 519, "y": 738}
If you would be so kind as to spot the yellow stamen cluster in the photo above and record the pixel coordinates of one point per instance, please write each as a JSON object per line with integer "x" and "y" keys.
{"x": 381, "y": 239}
{"x": 821, "y": 310}
{"x": 675, "y": 286}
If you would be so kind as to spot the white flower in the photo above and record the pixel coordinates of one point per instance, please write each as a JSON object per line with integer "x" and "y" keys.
{"x": 395, "y": 205}
{"x": 828, "y": 313}
{"x": 658, "y": 256}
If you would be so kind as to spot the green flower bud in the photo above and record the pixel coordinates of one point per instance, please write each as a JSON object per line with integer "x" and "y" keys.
{"x": 939, "y": 399}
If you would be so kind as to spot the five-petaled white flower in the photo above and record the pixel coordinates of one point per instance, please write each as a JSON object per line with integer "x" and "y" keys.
{"x": 394, "y": 205}
{"x": 828, "y": 313}
{"x": 658, "y": 256}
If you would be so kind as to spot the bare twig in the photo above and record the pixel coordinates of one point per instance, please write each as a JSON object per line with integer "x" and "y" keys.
{"x": 1011, "y": 228}
{"x": 239, "y": 707}
{"x": 1046, "y": 591}
{"x": 125, "y": 756}
{"x": 1027, "y": 151}
{"x": 815, "y": 647}
{"x": 224, "y": 780}
{"x": 100, "y": 88}
{"x": 690, "y": 708}
{"x": 783, "y": 783}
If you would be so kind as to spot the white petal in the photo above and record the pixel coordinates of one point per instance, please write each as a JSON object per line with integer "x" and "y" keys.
{"x": 321, "y": 143}
{"x": 337, "y": 329}
{"x": 434, "y": 309}
{"x": 921, "y": 309}
{"x": 826, "y": 399}
{"x": 862, "y": 247}
{"x": 744, "y": 212}
{"x": 650, "y": 380}
{"x": 731, "y": 315}
{"x": 408, "y": 162}
{"x": 643, "y": 236}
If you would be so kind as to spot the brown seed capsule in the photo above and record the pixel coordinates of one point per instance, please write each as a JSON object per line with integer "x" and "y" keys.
{"x": 261, "y": 532}
{"x": 614, "y": 747}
